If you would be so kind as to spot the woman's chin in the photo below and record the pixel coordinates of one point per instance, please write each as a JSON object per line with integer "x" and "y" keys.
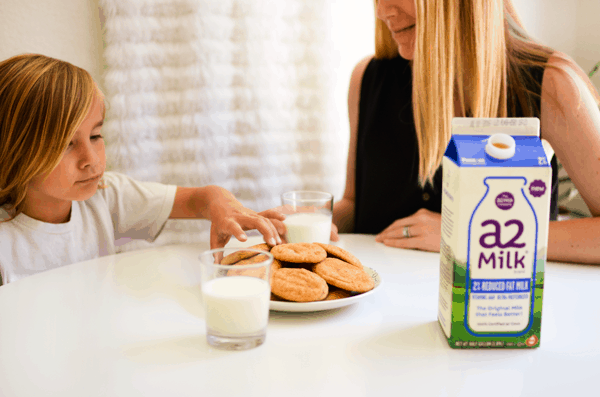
{"x": 406, "y": 52}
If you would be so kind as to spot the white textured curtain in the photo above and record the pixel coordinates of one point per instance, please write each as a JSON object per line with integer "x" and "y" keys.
{"x": 236, "y": 93}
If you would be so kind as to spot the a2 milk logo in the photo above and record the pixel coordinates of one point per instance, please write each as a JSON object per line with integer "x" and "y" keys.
{"x": 501, "y": 254}
{"x": 509, "y": 256}
{"x": 503, "y": 231}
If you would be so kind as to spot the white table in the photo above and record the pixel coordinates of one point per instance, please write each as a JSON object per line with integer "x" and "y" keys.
{"x": 132, "y": 325}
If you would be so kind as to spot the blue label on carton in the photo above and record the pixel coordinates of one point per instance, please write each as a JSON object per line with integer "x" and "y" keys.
{"x": 469, "y": 151}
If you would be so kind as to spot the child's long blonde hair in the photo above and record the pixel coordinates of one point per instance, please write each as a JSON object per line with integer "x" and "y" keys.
{"x": 469, "y": 59}
{"x": 42, "y": 103}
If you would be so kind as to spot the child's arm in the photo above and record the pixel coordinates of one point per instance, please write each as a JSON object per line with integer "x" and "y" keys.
{"x": 227, "y": 215}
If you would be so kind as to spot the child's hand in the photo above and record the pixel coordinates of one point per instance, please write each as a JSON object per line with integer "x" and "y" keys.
{"x": 227, "y": 215}
{"x": 276, "y": 218}
{"x": 230, "y": 218}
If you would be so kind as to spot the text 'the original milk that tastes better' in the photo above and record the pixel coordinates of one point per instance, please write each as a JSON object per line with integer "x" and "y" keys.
{"x": 495, "y": 210}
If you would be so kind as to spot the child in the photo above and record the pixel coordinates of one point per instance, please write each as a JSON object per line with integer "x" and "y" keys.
{"x": 57, "y": 205}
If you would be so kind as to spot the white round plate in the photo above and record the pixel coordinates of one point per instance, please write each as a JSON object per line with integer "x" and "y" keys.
{"x": 326, "y": 305}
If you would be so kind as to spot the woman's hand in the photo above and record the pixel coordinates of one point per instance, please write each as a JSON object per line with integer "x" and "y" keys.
{"x": 424, "y": 232}
{"x": 334, "y": 233}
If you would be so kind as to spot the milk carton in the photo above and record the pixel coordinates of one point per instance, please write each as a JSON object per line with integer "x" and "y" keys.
{"x": 495, "y": 210}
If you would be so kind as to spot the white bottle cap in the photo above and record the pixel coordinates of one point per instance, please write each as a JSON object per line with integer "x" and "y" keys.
{"x": 500, "y": 146}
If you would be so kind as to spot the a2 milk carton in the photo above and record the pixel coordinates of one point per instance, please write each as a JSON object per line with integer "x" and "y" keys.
{"x": 495, "y": 210}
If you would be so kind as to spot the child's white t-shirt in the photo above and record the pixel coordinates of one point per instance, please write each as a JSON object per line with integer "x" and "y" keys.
{"x": 125, "y": 208}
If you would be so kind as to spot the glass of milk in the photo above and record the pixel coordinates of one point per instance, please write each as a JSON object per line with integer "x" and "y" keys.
{"x": 236, "y": 297}
{"x": 308, "y": 216}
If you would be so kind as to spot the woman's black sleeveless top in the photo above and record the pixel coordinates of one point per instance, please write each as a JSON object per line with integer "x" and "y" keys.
{"x": 387, "y": 155}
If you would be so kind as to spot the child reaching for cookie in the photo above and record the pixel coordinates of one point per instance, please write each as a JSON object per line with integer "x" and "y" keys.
{"x": 58, "y": 205}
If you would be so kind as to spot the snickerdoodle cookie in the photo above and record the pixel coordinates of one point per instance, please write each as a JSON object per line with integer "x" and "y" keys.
{"x": 340, "y": 253}
{"x": 344, "y": 275}
{"x": 298, "y": 285}
{"x": 299, "y": 253}
{"x": 337, "y": 293}
{"x": 253, "y": 272}
{"x": 241, "y": 254}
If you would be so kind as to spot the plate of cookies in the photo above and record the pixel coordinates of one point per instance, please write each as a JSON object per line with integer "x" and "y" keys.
{"x": 308, "y": 277}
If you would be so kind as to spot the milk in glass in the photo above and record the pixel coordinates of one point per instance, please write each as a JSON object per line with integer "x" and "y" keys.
{"x": 308, "y": 227}
{"x": 236, "y": 306}
{"x": 495, "y": 211}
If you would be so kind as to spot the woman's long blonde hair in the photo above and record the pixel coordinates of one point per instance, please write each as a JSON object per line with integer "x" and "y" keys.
{"x": 469, "y": 59}
{"x": 42, "y": 103}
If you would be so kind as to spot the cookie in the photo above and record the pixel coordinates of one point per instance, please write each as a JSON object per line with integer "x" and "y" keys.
{"x": 256, "y": 272}
{"x": 276, "y": 265}
{"x": 241, "y": 254}
{"x": 325, "y": 292}
{"x": 277, "y": 298}
{"x": 344, "y": 275}
{"x": 307, "y": 266}
{"x": 340, "y": 253}
{"x": 298, "y": 285}
{"x": 252, "y": 260}
{"x": 337, "y": 293}
{"x": 299, "y": 253}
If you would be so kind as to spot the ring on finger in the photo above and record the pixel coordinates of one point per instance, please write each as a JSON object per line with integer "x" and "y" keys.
{"x": 406, "y": 232}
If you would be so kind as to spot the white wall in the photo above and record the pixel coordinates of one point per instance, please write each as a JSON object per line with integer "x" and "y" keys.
{"x": 353, "y": 36}
{"x": 568, "y": 26}
{"x": 587, "y": 52}
{"x": 551, "y": 22}
{"x": 64, "y": 29}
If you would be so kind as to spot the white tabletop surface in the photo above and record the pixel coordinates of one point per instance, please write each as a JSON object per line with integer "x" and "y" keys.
{"x": 132, "y": 325}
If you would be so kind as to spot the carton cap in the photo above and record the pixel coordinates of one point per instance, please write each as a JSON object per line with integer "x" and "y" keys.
{"x": 500, "y": 146}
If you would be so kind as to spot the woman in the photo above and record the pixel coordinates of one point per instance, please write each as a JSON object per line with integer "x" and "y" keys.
{"x": 436, "y": 60}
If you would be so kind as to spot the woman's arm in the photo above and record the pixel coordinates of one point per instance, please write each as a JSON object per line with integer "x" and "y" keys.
{"x": 343, "y": 210}
{"x": 575, "y": 240}
{"x": 570, "y": 120}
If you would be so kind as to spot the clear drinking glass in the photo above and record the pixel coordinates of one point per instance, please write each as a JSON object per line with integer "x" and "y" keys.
{"x": 236, "y": 296}
{"x": 308, "y": 216}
